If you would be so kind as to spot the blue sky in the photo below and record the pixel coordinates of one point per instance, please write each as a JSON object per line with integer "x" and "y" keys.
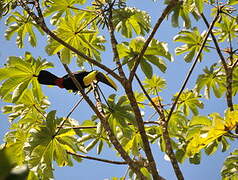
{"x": 62, "y": 101}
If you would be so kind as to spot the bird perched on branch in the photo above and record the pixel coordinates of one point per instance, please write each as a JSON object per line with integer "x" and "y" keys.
{"x": 84, "y": 78}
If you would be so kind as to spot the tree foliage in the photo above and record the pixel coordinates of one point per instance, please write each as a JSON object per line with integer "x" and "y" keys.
{"x": 80, "y": 30}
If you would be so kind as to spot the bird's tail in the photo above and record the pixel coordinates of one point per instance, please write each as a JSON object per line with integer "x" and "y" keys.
{"x": 47, "y": 78}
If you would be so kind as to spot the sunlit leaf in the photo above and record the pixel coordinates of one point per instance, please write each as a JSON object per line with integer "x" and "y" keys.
{"x": 126, "y": 20}
{"x": 22, "y": 25}
{"x": 189, "y": 101}
{"x": 193, "y": 40}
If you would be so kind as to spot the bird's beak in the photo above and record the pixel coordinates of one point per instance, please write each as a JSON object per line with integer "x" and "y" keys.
{"x": 101, "y": 77}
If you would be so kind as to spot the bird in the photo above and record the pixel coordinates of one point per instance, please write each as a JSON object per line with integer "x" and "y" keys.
{"x": 85, "y": 79}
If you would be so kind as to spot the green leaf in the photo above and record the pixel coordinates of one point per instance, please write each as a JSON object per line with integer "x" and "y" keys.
{"x": 19, "y": 73}
{"x": 99, "y": 147}
{"x": 20, "y": 89}
{"x": 183, "y": 10}
{"x": 91, "y": 144}
{"x": 212, "y": 78}
{"x": 58, "y": 8}
{"x": 126, "y": 20}
{"x": 193, "y": 40}
{"x": 154, "y": 84}
{"x": 195, "y": 159}
{"x": 146, "y": 68}
{"x": 211, "y": 148}
{"x": 199, "y": 5}
{"x": 151, "y": 55}
{"x": 232, "y": 2}
{"x": 200, "y": 120}
{"x": 22, "y": 25}
{"x": 44, "y": 147}
{"x": 230, "y": 168}
{"x": 227, "y": 29}
{"x": 74, "y": 31}
{"x": 189, "y": 101}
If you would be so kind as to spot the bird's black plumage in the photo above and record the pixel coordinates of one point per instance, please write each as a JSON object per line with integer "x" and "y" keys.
{"x": 66, "y": 82}
{"x": 69, "y": 84}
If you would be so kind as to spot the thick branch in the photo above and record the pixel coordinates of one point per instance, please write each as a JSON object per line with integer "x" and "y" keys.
{"x": 228, "y": 70}
{"x": 140, "y": 124}
{"x": 98, "y": 159}
{"x": 114, "y": 46}
{"x": 166, "y": 11}
{"x": 169, "y": 149}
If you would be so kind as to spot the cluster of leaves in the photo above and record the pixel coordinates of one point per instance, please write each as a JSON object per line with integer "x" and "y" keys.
{"x": 229, "y": 170}
{"x": 152, "y": 55}
{"x": 72, "y": 30}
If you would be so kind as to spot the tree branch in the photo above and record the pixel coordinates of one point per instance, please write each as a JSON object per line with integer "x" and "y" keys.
{"x": 192, "y": 67}
{"x": 44, "y": 27}
{"x": 114, "y": 45}
{"x": 228, "y": 70}
{"x": 169, "y": 149}
{"x": 137, "y": 59}
{"x": 98, "y": 159}
{"x": 141, "y": 128}
{"x": 104, "y": 121}
{"x": 107, "y": 127}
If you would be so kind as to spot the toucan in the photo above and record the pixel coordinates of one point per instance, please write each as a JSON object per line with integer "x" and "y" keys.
{"x": 85, "y": 79}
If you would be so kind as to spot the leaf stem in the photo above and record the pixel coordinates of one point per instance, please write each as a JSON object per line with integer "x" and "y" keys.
{"x": 98, "y": 159}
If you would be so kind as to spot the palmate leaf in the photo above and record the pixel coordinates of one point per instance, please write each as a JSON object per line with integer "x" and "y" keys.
{"x": 212, "y": 79}
{"x": 18, "y": 74}
{"x": 29, "y": 108}
{"x": 184, "y": 9}
{"x": 120, "y": 114}
{"x": 94, "y": 137}
{"x": 22, "y": 25}
{"x": 230, "y": 168}
{"x": 154, "y": 85}
{"x": 193, "y": 40}
{"x": 226, "y": 28}
{"x": 126, "y": 20}
{"x": 59, "y": 8}
{"x": 15, "y": 145}
{"x": 44, "y": 147}
{"x": 153, "y": 54}
{"x": 72, "y": 30}
{"x": 189, "y": 101}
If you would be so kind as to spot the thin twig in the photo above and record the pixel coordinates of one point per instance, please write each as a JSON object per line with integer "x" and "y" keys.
{"x": 137, "y": 59}
{"x": 67, "y": 117}
{"x": 98, "y": 159}
{"x": 79, "y": 127}
{"x": 39, "y": 111}
{"x": 228, "y": 70}
{"x": 192, "y": 67}
{"x": 114, "y": 45}
{"x": 93, "y": 127}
